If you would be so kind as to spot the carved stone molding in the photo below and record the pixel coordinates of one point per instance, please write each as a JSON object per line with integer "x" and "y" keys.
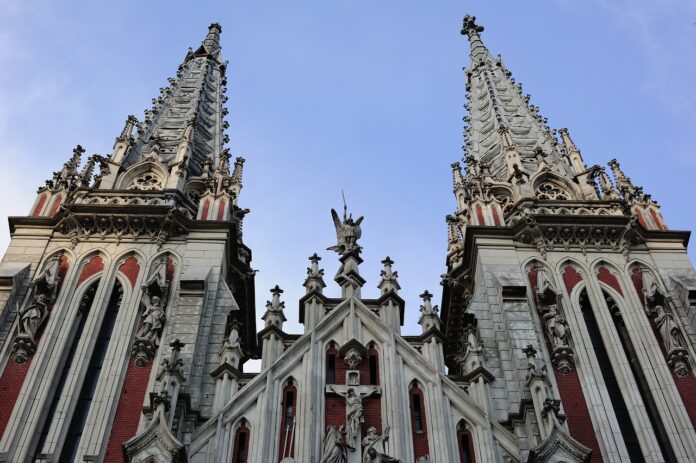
{"x": 153, "y": 227}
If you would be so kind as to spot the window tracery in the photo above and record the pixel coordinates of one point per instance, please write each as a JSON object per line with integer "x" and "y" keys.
{"x": 146, "y": 181}
{"x": 550, "y": 191}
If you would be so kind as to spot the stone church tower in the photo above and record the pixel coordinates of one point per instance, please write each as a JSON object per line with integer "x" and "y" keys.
{"x": 128, "y": 312}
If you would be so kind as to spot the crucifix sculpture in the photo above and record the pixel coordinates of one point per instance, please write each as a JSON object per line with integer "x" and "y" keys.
{"x": 354, "y": 394}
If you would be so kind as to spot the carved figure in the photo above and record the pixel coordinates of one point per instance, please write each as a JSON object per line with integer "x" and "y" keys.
{"x": 158, "y": 274}
{"x": 333, "y": 450}
{"x": 544, "y": 283}
{"x": 153, "y": 317}
{"x": 373, "y": 447}
{"x": 32, "y": 316}
{"x": 348, "y": 233}
{"x": 556, "y": 327}
{"x": 354, "y": 411}
{"x": 650, "y": 288}
{"x": 671, "y": 335}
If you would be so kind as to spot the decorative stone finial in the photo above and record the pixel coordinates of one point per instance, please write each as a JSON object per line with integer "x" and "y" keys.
{"x": 315, "y": 276}
{"x": 429, "y": 318}
{"x": 389, "y": 282}
{"x": 274, "y": 315}
{"x": 469, "y": 26}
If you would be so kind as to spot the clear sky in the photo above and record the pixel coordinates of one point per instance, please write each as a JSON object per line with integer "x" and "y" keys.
{"x": 363, "y": 96}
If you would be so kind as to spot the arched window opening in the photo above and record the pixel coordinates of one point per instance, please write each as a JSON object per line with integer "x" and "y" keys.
{"x": 615, "y": 395}
{"x": 89, "y": 385}
{"x": 374, "y": 378}
{"x": 85, "y": 306}
{"x": 418, "y": 424}
{"x": 241, "y": 444}
{"x": 643, "y": 387}
{"x": 465, "y": 444}
{"x": 288, "y": 421}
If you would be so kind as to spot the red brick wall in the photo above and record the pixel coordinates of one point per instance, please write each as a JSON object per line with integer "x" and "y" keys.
{"x": 608, "y": 278}
{"x": 479, "y": 214}
{"x": 56, "y": 204}
{"x": 206, "y": 207}
{"x": 372, "y": 405}
{"x": 244, "y": 456}
{"x": 420, "y": 438}
{"x": 286, "y": 430}
{"x": 130, "y": 404}
{"x": 92, "y": 267}
{"x": 221, "y": 210}
{"x": 335, "y": 406}
{"x": 39, "y": 206}
{"x": 130, "y": 268}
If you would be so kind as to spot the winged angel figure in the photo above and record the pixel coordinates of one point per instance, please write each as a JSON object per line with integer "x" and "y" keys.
{"x": 347, "y": 233}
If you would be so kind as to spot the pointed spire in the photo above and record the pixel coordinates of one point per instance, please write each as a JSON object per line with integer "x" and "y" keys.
{"x": 502, "y": 127}
{"x": 622, "y": 181}
{"x": 274, "y": 315}
{"x": 389, "y": 282}
{"x": 457, "y": 177}
{"x": 472, "y": 30}
{"x": 185, "y": 126}
{"x": 128, "y": 127}
{"x": 315, "y": 276}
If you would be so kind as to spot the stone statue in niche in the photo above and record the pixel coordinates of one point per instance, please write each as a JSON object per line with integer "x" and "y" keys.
{"x": 33, "y": 314}
{"x": 153, "y": 318}
{"x": 354, "y": 411}
{"x": 544, "y": 282}
{"x": 333, "y": 449}
{"x": 650, "y": 288}
{"x": 556, "y": 327}
{"x": 374, "y": 450}
{"x": 669, "y": 331}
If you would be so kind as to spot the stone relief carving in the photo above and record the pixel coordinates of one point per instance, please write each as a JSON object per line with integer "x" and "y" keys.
{"x": 673, "y": 341}
{"x": 354, "y": 411}
{"x": 374, "y": 447}
{"x": 333, "y": 450}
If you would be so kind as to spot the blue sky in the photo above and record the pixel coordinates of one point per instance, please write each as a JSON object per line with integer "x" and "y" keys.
{"x": 361, "y": 96}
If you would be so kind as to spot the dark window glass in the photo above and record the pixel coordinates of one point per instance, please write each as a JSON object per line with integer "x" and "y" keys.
{"x": 373, "y": 369}
{"x": 417, "y": 417}
{"x": 331, "y": 369}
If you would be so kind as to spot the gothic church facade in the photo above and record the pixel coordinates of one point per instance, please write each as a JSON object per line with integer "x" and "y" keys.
{"x": 127, "y": 308}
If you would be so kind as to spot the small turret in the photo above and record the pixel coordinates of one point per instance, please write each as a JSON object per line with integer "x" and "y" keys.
{"x": 272, "y": 335}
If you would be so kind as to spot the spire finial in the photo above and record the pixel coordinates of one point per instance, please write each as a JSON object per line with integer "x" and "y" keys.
{"x": 389, "y": 282}
{"x": 274, "y": 315}
{"x": 472, "y": 30}
{"x": 315, "y": 276}
{"x": 429, "y": 318}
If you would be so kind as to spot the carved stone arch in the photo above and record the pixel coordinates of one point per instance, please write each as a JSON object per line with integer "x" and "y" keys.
{"x": 194, "y": 190}
{"x": 151, "y": 459}
{"x": 146, "y": 175}
{"x": 549, "y": 186}
{"x": 504, "y": 197}
{"x": 465, "y": 441}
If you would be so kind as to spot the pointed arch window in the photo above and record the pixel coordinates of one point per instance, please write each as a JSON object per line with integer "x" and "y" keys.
{"x": 373, "y": 366}
{"x": 241, "y": 444}
{"x": 85, "y": 306}
{"x": 465, "y": 444}
{"x": 288, "y": 421}
{"x": 418, "y": 422}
